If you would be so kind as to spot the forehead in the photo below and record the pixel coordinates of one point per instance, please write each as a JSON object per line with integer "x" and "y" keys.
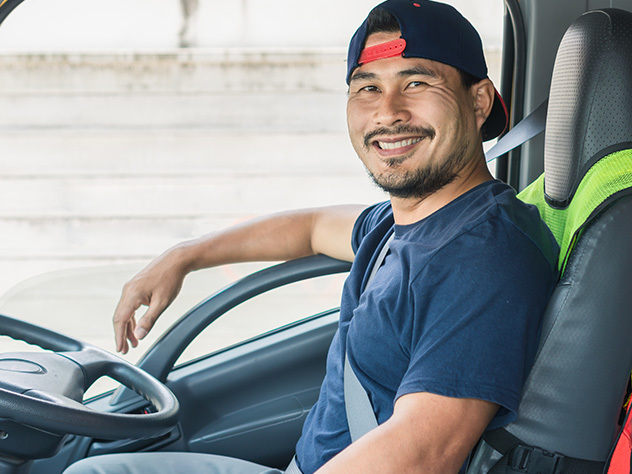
{"x": 401, "y": 68}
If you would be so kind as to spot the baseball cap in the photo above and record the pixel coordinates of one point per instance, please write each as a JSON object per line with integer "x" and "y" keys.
{"x": 436, "y": 31}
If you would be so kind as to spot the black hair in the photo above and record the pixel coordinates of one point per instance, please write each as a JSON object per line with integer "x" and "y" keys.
{"x": 383, "y": 21}
{"x": 467, "y": 79}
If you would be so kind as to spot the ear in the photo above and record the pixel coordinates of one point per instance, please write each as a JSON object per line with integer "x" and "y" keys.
{"x": 483, "y": 93}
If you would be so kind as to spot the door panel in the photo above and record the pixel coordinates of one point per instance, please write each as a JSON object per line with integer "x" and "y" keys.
{"x": 251, "y": 401}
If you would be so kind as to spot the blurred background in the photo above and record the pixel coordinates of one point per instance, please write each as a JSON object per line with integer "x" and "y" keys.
{"x": 127, "y": 126}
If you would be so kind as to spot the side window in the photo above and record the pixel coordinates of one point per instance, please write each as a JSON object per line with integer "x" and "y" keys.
{"x": 44, "y": 301}
{"x": 117, "y": 145}
{"x": 267, "y": 312}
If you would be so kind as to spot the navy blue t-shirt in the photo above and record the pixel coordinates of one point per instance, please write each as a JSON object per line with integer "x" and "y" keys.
{"x": 454, "y": 310}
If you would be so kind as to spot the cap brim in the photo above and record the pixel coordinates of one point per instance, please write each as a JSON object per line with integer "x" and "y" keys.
{"x": 498, "y": 119}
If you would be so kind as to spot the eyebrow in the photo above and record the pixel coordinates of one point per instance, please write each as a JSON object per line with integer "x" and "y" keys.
{"x": 413, "y": 71}
{"x": 359, "y": 76}
{"x": 418, "y": 71}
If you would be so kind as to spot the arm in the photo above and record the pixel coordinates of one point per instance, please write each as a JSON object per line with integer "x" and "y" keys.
{"x": 281, "y": 236}
{"x": 427, "y": 433}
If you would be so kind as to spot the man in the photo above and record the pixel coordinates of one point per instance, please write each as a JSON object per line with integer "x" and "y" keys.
{"x": 444, "y": 335}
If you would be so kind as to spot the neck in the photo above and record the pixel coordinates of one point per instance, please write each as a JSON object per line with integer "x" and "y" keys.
{"x": 410, "y": 210}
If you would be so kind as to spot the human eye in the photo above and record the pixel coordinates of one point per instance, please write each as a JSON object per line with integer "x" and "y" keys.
{"x": 370, "y": 88}
{"x": 364, "y": 89}
{"x": 416, "y": 84}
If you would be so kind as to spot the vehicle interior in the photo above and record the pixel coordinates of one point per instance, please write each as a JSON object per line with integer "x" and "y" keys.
{"x": 250, "y": 400}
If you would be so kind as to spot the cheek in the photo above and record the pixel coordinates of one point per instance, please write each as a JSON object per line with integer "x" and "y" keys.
{"x": 440, "y": 107}
{"x": 356, "y": 121}
{"x": 446, "y": 117}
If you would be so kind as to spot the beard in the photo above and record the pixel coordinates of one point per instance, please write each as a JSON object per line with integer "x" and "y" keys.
{"x": 421, "y": 182}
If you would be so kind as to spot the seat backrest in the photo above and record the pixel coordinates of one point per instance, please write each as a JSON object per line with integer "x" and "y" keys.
{"x": 573, "y": 395}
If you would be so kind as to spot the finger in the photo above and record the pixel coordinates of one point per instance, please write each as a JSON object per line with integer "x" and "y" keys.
{"x": 121, "y": 346}
{"x": 127, "y": 333}
{"x": 131, "y": 337}
{"x": 123, "y": 317}
{"x": 146, "y": 323}
{"x": 124, "y": 348}
{"x": 120, "y": 339}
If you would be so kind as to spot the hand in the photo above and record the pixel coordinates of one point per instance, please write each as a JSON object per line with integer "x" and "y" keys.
{"x": 156, "y": 286}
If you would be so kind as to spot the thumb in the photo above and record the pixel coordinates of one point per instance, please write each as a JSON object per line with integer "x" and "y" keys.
{"x": 146, "y": 323}
{"x": 140, "y": 332}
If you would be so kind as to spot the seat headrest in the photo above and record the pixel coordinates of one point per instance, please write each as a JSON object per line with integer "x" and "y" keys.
{"x": 590, "y": 102}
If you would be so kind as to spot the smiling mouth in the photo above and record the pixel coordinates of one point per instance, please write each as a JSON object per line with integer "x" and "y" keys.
{"x": 395, "y": 145}
{"x": 399, "y": 138}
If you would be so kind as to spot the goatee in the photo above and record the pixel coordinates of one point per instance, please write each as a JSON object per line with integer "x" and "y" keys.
{"x": 421, "y": 182}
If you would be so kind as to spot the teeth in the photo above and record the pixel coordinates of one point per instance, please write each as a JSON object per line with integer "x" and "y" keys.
{"x": 400, "y": 144}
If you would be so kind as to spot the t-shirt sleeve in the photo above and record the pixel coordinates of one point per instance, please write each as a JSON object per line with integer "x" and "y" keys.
{"x": 368, "y": 220}
{"x": 480, "y": 338}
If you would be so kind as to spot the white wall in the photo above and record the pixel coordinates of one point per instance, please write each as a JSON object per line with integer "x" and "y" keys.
{"x": 80, "y": 25}
{"x": 115, "y": 143}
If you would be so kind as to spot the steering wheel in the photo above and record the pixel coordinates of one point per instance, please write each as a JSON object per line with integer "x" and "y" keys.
{"x": 44, "y": 390}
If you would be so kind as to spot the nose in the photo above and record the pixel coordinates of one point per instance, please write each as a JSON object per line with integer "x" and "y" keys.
{"x": 391, "y": 109}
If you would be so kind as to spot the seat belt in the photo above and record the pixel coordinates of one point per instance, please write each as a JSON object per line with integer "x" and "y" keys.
{"x": 529, "y": 127}
{"x": 360, "y": 415}
{"x": 293, "y": 467}
{"x": 518, "y": 458}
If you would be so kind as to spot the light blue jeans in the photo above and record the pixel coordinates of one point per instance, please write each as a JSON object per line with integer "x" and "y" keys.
{"x": 166, "y": 462}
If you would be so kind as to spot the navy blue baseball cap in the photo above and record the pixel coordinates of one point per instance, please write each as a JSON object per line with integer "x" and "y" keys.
{"x": 436, "y": 31}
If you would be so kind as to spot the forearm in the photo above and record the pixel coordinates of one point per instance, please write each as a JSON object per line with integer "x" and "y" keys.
{"x": 427, "y": 433}
{"x": 282, "y": 236}
{"x": 276, "y": 237}
{"x": 386, "y": 450}
{"x": 271, "y": 238}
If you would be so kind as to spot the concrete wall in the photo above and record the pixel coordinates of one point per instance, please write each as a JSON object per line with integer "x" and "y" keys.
{"x": 80, "y": 25}
{"x": 149, "y": 149}
{"x": 107, "y": 159}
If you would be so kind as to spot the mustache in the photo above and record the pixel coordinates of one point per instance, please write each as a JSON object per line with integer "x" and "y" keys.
{"x": 423, "y": 132}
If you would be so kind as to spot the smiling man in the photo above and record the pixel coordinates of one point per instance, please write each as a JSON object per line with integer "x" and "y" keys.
{"x": 444, "y": 335}
{"x": 415, "y": 126}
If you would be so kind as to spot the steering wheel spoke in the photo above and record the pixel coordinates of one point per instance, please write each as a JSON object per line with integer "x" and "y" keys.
{"x": 58, "y": 399}
{"x": 45, "y": 390}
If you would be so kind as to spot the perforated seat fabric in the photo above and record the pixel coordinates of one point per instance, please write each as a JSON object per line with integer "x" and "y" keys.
{"x": 590, "y": 101}
{"x": 573, "y": 395}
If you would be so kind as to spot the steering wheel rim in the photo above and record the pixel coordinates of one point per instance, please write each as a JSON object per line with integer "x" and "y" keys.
{"x": 57, "y": 407}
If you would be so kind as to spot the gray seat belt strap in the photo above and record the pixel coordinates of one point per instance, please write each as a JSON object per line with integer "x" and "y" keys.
{"x": 525, "y": 130}
{"x": 293, "y": 467}
{"x": 379, "y": 260}
{"x": 360, "y": 415}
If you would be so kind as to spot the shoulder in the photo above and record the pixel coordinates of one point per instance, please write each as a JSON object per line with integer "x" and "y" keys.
{"x": 486, "y": 234}
{"x": 518, "y": 225}
{"x": 373, "y": 217}
{"x": 489, "y": 221}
